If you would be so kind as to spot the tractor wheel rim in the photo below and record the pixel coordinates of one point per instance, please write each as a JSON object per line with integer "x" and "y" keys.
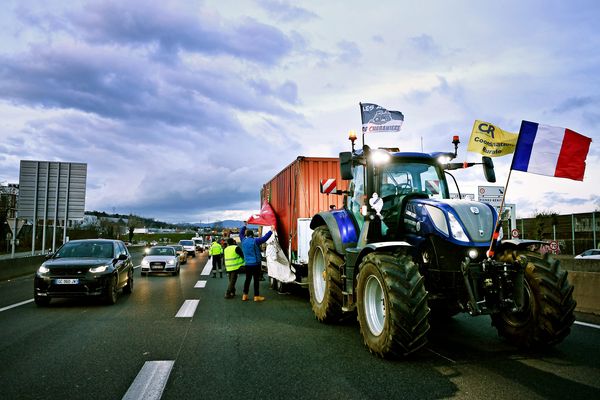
{"x": 374, "y": 301}
{"x": 318, "y": 280}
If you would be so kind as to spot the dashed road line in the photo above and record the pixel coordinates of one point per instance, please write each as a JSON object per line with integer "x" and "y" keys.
{"x": 200, "y": 284}
{"x": 150, "y": 382}
{"x": 207, "y": 269}
{"x": 188, "y": 309}
{"x": 588, "y": 325}
{"x": 16, "y": 305}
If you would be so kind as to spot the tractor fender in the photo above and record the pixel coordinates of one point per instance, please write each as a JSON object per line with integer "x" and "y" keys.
{"x": 387, "y": 247}
{"x": 341, "y": 227}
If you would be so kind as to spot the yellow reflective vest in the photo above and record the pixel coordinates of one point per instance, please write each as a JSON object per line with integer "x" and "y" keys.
{"x": 215, "y": 248}
{"x": 233, "y": 260}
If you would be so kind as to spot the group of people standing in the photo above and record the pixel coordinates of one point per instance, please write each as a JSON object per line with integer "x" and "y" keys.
{"x": 233, "y": 257}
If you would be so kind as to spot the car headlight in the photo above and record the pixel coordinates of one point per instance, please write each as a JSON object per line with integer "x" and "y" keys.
{"x": 171, "y": 262}
{"x": 457, "y": 230}
{"x": 95, "y": 270}
{"x": 43, "y": 269}
{"x": 145, "y": 263}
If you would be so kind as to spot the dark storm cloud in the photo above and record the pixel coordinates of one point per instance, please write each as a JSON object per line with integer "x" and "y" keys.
{"x": 104, "y": 83}
{"x": 142, "y": 23}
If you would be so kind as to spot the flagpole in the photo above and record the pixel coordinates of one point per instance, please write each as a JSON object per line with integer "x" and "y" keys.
{"x": 362, "y": 131}
{"x": 490, "y": 252}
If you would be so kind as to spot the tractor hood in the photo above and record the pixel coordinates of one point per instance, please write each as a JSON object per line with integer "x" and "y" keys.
{"x": 462, "y": 221}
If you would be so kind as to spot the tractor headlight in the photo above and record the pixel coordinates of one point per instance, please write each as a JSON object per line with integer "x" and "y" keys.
{"x": 380, "y": 157}
{"x": 438, "y": 218}
{"x": 473, "y": 253}
{"x": 457, "y": 231}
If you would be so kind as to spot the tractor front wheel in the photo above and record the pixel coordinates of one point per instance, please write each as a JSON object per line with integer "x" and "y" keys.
{"x": 392, "y": 305}
{"x": 548, "y": 311}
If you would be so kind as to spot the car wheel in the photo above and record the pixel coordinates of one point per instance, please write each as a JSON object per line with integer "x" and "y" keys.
{"x": 41, "y": 301}
{"x": 129, "y": 286}
{"x": 111, "y": 291}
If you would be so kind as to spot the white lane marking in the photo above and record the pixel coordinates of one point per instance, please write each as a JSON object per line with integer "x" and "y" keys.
{"x": 200, "y": 284}
{"x": 588, "y": 325}
{"x": 207, "y": 269}
{"x": 444, "y": 357}
{"x": 137, "y": 266}
{"x": 150, "y": 381}
{"x": 15, "y": 305}
{"x": 188, "y": 309}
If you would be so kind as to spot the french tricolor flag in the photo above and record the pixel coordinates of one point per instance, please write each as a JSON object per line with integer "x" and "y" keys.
{"x": 552, "y": 151}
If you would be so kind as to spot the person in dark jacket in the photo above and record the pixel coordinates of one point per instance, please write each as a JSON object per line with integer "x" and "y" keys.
{"x": 252, "y": 259}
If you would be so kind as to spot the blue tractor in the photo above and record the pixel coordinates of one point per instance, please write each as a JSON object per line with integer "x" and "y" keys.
{"x": 402, "y": 254}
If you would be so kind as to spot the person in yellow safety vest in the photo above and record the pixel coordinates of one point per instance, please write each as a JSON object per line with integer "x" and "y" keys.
{"x": 216, "y": 252}
{"x": 234, "y": 259}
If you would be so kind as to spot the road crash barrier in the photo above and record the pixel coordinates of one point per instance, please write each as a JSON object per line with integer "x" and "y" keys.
{"x": 584, "y": 275}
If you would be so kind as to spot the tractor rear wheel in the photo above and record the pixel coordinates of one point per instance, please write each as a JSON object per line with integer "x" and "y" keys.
{"x": 324, "y": 277}
{"x": 548, "y": 310}
{"x": 392, "y": 305}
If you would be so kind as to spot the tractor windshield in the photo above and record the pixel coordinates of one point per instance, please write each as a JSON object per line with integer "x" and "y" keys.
{"x": 412, "y": 177}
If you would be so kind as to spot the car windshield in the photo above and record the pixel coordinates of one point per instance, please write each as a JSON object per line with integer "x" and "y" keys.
{"x": 178, "y": 247}
{"x": 90, "y": 249}
{"x": 161, "y": 251}
{"x": 186, "y": 243}
{"x": 407, "y": 177}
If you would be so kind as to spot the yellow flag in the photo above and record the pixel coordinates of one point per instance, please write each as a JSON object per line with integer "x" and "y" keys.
{"x": 490, "y": 140}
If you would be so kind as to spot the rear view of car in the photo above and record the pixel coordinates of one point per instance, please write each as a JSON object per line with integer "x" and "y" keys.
{"x": 189, "y": 246}
{"x": 81, "y": 268}
{"x": 160, "y": 259}
{"x": 181, "y": 253}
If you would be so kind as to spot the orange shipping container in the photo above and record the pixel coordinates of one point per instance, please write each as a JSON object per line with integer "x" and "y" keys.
{"x": 294, "y": 193}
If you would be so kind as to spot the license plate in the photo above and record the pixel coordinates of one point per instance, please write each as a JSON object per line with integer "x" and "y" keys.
{"x": 66, "y": 281}
{"x": 156, "y": 267}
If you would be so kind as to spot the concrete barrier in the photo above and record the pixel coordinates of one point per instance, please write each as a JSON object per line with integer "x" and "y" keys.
{"x": 14, "y": 267}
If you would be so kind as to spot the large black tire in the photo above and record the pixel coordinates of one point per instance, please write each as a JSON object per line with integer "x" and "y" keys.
{"x": 41, "y": 301}
{"x": 324, "y": 277}
{"x": 128, "y": 288}
{"x": 392, "y": 305}
{"x": 110, "y": 297}
{"x": 549, "y": 306}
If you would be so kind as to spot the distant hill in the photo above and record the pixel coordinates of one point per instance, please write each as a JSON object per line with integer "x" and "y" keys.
{"x": 228, "y": 224}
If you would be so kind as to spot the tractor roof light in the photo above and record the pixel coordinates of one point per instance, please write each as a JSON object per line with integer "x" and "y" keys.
{"x": 352, "y": 137}
{"x": 443, "y": 159}
{"x": 380, "y": 157}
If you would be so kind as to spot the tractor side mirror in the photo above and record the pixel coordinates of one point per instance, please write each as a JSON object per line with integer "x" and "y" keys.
{"x": 346, "y": 165}
{"x": 488, "y": 169}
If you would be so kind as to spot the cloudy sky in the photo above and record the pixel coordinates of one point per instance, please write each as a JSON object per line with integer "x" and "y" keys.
{"x": 183, "y": 110}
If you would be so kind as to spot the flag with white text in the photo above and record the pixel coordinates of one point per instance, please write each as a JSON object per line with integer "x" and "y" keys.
{"x": 377, "y": 119}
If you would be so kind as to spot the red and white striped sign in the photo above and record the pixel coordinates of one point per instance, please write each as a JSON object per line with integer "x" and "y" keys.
{"x": 328, "y": 185}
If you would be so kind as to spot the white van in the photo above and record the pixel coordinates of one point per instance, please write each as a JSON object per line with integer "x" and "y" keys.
{"x": 199, "y": 242}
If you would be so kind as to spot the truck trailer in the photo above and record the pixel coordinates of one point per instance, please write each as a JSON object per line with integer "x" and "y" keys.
{"x": 295, "y": 197}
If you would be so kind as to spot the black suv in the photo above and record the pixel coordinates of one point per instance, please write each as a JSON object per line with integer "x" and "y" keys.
{"x": 90, "y": 267}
